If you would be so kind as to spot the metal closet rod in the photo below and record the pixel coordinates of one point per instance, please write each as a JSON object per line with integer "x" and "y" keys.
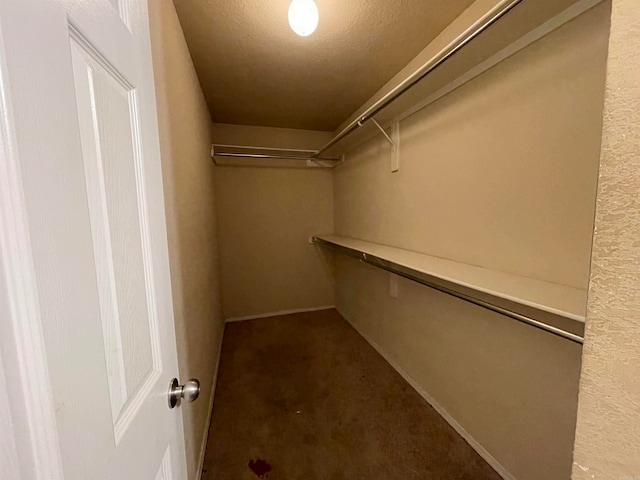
{"x": 497, "y": 12}
{"x": 424, "y": 279}
{"x": 281, "y": 157}
{"x": 290, "y": 156}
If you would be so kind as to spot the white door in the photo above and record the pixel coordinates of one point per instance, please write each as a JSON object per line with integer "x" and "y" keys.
{"x": 87, "y": 333}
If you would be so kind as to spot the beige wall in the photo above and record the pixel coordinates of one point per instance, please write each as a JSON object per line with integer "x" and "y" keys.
{"x": 223, "y": 133}
{"x": 266, "y": 216}
{"x": 608, "y": 429}
{"x": 501, "y": 173}
{"x": 188, "y": 175}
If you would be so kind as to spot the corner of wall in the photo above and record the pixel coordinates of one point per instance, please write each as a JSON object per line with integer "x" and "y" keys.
{"x": 188, "y": 176}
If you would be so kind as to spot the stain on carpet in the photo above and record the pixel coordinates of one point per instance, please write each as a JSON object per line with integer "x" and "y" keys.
{"x": 260, "y": 467}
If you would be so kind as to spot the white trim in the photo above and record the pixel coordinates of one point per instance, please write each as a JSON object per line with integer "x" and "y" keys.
{"x": 277, "y": 314}
{"x": 205, "y": 440}
{"x": 9, "y": 468}
{"x": 83, "y": 61}
{"x": 134, "y": 404}
{"x": 490, "y": 459}
{"x": 21, "y": 337}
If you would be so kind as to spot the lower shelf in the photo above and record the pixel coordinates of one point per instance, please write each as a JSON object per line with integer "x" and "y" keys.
{"x": 557, "y": 309}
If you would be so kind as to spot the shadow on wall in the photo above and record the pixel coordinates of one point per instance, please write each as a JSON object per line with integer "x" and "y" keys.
{"x": 188, "y": 175}
{"x": 266, "y": 216}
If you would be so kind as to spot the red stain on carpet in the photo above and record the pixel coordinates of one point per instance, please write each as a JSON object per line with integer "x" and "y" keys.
{"x": 260, "y": 467}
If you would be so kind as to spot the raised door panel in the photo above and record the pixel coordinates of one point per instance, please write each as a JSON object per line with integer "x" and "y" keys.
{"x": 109, "y": 126}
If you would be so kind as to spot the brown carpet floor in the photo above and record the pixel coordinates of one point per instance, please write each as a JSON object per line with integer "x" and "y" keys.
{"x": 305, "y": 397}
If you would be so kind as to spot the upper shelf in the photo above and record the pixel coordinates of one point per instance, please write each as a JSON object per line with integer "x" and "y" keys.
{"x": 485, "y": 35}
{"x": 263, "y": 156}
{"x": 560, "y": 300}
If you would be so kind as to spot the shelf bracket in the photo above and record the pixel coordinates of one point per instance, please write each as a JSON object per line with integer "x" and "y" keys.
{"x": 318, "y": 162}
{"x": 394, "y": 140}
{"x": 395, "y": 149}
{"x": 213, "y": 155}
{"x": 383, "y": 132}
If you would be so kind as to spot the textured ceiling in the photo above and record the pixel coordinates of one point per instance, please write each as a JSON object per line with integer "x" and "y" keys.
{"x": 255, "y": 71}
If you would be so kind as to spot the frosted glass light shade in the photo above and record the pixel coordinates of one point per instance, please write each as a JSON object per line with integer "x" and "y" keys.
{"x": 303, "y": 17}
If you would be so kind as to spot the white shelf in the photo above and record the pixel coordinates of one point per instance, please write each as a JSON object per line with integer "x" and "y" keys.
{"x": 561, "y": 300}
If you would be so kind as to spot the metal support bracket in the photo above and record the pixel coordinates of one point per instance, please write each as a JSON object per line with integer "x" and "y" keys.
{"x": 383, "y": 132}
{"x": 319, "y": 162}
{"x": 394, "y": 140}
{"x": 213, "y": 155}
{"x": 395, "y": 149}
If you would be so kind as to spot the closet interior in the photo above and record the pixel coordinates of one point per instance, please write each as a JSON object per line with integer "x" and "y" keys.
{"x": 448, "y": 218}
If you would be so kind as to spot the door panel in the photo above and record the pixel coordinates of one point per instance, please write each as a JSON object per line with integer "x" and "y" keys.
{"x": 78, "y": 75}
{"x": 107, "y": 107}
{"x": 164, "y": 472}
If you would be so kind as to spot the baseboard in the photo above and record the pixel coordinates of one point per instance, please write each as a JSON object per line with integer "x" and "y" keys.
{"x": 203, "y": 447}
{"x": 276, "y": 314}
{"x": 438, "y": 408}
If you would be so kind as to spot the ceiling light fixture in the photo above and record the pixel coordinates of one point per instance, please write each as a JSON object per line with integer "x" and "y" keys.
{"x": 303, "y": 17}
